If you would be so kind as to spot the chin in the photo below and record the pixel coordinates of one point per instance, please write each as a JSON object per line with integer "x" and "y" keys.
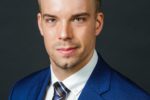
{"x": 67, "y": 65}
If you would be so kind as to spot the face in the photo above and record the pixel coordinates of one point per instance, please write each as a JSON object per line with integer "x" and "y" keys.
{"x": 69, "y": 29}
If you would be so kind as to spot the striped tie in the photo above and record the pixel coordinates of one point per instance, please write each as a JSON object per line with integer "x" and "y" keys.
{"x": 60, "y": 91}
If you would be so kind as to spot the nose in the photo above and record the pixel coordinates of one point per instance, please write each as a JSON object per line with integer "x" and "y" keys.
{"x": 65, "y": 31}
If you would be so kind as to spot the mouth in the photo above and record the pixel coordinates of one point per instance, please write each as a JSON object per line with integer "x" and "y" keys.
{"x": 67, "y": 51}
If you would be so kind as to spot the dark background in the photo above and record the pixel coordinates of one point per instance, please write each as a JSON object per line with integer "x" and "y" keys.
{"x": 124, "y": 42}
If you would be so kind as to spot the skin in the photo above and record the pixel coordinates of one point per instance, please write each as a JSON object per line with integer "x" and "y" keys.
{"x": 69, "y": 29}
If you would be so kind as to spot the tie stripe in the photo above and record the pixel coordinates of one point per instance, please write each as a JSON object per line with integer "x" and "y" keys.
{"x": 60, "y": 91}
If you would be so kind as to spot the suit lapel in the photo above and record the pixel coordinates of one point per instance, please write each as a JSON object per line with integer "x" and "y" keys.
{"x": 98, "y": 82}
{"x": 44, "y": 87}
{"x": 39, "y": 86}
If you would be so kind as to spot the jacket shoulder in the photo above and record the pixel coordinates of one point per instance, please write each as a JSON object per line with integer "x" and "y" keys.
{"x": 22, "y": 87}
{"x": 122, "y": 88}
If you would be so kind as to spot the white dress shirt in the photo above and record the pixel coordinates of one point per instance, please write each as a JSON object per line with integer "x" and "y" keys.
{"x": 76, "y": 82}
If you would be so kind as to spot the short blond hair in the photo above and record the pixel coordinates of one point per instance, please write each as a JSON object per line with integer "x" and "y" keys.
{"x": 97, "y": 5}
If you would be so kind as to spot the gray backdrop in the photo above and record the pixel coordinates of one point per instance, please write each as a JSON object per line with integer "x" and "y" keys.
{"x": 124, "y": 42}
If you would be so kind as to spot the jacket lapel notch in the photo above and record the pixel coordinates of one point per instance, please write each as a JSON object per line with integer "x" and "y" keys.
{"x": 98, "y": 83}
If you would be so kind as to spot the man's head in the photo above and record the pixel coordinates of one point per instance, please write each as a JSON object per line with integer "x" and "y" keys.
{"x": 97, "y": 5}
{"x": 69, "y": 29}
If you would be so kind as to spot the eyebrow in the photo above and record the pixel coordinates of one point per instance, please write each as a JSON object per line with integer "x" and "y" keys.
{"x": 47, "y": 15}
{"x": 80, "y": 14}
{"x": 73, "y": 16}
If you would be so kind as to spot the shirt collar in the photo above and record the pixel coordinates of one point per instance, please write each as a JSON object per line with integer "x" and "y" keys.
{"x": 77, "y": 81}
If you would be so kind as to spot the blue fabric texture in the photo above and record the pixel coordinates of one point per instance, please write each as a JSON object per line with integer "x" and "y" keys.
{"x": 104, "y": 84}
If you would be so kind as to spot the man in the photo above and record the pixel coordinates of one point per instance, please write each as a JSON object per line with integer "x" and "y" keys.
{"x": 69, "y": 29}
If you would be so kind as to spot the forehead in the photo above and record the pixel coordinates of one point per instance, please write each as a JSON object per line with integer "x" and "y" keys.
{"x": 58, "y": 6}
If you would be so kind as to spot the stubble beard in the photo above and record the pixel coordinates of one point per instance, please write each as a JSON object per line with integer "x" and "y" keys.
{"x": 66, "y": 62}
{"x": 73, "y": 63}
{"x": 65, "y": 65}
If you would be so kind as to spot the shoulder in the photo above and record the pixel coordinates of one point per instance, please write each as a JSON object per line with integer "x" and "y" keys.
{"x": 119, "y": 86}
{"x": 23, "y": 86}
{"x": 34, "y": 77}
{"x": 123, "y": 88}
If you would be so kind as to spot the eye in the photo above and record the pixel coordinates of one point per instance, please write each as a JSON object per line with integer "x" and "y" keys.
{"x": 80, "y": 19}
{"x": 50, "y": 20}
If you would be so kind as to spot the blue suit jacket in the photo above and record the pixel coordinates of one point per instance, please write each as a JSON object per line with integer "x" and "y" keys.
{"x": 104, "y": 84}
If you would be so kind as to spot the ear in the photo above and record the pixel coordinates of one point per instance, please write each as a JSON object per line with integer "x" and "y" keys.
{"x": 99, "y": 23}
{"x": 39, "y": 21}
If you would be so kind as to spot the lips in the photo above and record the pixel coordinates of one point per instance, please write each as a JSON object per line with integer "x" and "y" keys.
{"x": 67, "y": 51}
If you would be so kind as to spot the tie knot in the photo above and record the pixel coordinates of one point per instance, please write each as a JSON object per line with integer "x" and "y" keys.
{"x": 60, "y": 91}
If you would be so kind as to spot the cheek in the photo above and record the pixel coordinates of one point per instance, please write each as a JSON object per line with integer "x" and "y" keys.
{"x": 49, "y": 35}
{"x": 49, "y": 40}
{"x": 86, "y": 38}
{"x": 48, "y": 44}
